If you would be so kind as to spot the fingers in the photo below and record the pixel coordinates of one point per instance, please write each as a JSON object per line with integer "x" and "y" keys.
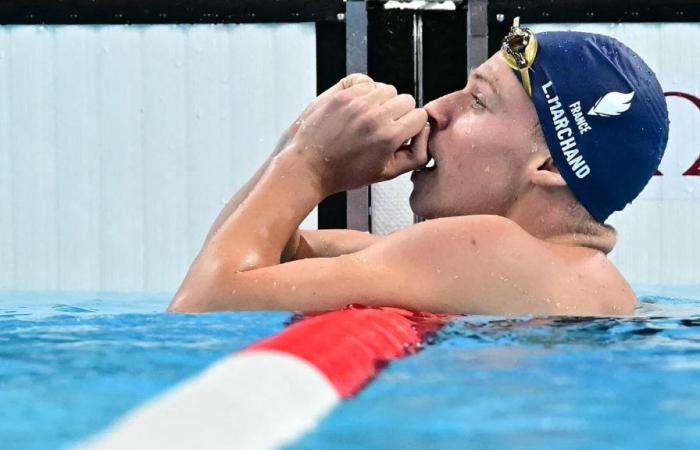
{"x": 360, "y": 89}
{"x": 355, "y": 78}
{"x": 381, "y": 93}
{"x": 411, "y": 123}
{"x": 351, "y": 80}
{"x": 400, "y": 105}
{"x": 413, "y": 156}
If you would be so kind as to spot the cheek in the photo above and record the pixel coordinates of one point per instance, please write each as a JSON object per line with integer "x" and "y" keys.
{"x": 482, "y": 146}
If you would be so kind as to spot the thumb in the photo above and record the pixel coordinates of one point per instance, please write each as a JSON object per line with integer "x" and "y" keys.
{"x": 412, "y": 156}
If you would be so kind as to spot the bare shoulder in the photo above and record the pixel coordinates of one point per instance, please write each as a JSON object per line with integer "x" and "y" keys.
{"x": 490, "y": 265}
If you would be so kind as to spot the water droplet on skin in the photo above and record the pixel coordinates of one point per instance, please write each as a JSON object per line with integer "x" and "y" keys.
{"x": 274, "y": 284}
{"x": 233, "y": 292}
{"x": 294, "y": 288}
{"x": 558, "y": 305}
{"x": 548, "y": 300}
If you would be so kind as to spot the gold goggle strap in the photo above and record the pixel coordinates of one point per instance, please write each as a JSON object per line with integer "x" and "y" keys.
{"x": 527, "y": 84}
{"x": 519, "y": 49}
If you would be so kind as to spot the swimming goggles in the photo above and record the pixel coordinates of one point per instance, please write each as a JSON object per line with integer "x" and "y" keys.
{"x": 518, "y": 50}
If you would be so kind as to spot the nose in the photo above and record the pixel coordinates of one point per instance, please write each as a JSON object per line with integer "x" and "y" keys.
{"x": 441, "y": 110}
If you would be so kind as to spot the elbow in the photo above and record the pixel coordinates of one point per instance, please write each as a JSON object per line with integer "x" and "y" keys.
{"x": 205, "y": 285}
{"x": 195, "y": 292}
{"x": 182, "y": 302}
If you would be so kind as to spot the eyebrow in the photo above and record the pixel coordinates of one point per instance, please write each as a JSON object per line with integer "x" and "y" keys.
{"x": 483, "y": 77}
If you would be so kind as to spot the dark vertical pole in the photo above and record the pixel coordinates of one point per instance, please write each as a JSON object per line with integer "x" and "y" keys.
{"x": 418, "y": 56}
{"x": 358, "y": 200}
{"x": 418, "y": 69}
{"x": 477, "y": 33}
{"x": 444, "y": 53}
{"x": 330, "y": 67}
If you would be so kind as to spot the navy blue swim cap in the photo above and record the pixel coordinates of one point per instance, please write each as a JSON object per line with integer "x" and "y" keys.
{"x": 603, "y": 114}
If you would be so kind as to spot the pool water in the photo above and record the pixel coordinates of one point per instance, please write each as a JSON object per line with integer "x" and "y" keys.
{"x": 70, "y": 364}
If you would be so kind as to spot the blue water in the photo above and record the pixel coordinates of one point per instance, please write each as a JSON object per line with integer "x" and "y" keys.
{"x": 71, "y": 364}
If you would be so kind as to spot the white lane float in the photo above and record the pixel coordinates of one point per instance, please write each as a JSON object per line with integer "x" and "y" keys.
{"x": 270, "y": 393}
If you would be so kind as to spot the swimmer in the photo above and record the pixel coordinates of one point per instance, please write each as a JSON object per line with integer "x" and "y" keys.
{"x": 550, "y": 136}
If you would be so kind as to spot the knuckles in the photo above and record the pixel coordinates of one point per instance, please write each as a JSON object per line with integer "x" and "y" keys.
{"x": 341, "y": 98}
{"x": 355, "y": 78}
{"x": 360, "y": 108}
{"x": 408, "y": 99}
{"x": 389, "y": 89}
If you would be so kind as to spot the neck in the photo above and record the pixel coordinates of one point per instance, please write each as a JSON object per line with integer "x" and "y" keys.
{"x": 556, "y": 217}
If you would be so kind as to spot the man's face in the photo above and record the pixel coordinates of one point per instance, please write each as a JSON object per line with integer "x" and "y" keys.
{"x": 482, "y": 139}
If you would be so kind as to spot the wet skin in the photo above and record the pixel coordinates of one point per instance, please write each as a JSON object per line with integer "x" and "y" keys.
{"x": 506, "y": 235}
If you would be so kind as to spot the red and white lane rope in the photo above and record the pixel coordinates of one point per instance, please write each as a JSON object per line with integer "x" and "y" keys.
{"x": 273, "y": 391}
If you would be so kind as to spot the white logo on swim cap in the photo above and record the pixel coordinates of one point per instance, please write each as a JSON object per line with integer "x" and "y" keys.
{"x": 612, "y": 104}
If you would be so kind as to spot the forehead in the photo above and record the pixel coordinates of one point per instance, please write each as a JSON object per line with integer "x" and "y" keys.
{"x": 497, "y": 70}
{"x": 507, "y": 84}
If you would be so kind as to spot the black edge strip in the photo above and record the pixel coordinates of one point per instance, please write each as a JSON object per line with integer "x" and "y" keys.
{"x": 585, "y": 11}
{"x": 552, "y": 11}
{"x": 88, "y": 12}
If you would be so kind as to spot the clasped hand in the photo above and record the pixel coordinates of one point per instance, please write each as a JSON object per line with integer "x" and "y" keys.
{"x": 352, "y": 134}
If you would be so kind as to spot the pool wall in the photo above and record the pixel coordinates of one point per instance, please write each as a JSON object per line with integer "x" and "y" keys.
{"x": 119, "y": 144}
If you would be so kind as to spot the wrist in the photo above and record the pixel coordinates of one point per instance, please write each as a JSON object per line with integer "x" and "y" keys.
{"x": 295, "y": 163}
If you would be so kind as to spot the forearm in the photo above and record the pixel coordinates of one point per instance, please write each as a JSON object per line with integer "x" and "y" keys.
{"x": 255, "y": 234}
{"x": 240, "y": 196}
{"x": 235, "y": 201}
{"x": 285, "y": 194}
{"x": 243, "y": 192}
{"x": 329, "y": 243}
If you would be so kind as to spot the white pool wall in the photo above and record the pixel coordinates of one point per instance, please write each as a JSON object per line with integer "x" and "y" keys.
{"x": 120, "y": 144}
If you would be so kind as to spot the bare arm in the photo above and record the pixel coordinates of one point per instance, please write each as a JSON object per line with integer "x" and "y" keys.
{"x": 353, "y": 139}
{"x": 303, "y": 243}
{"x": 453, "y": 265}
{"x": 239, "y": 197}
{"x": 469, "y": 264}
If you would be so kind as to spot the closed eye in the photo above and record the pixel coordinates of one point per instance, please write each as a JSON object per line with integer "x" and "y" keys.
{"x": 477, "y": 103}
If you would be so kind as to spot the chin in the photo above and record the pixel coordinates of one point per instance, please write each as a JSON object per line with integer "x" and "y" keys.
{"x": 420, "y": 207}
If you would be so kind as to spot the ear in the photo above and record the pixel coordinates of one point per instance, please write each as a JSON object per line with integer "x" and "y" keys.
{"x": 547, "y": 174}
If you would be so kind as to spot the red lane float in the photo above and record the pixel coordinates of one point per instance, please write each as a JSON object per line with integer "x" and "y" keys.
{"x": 273, "y": 391}
{"x": 351, "y": 345}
